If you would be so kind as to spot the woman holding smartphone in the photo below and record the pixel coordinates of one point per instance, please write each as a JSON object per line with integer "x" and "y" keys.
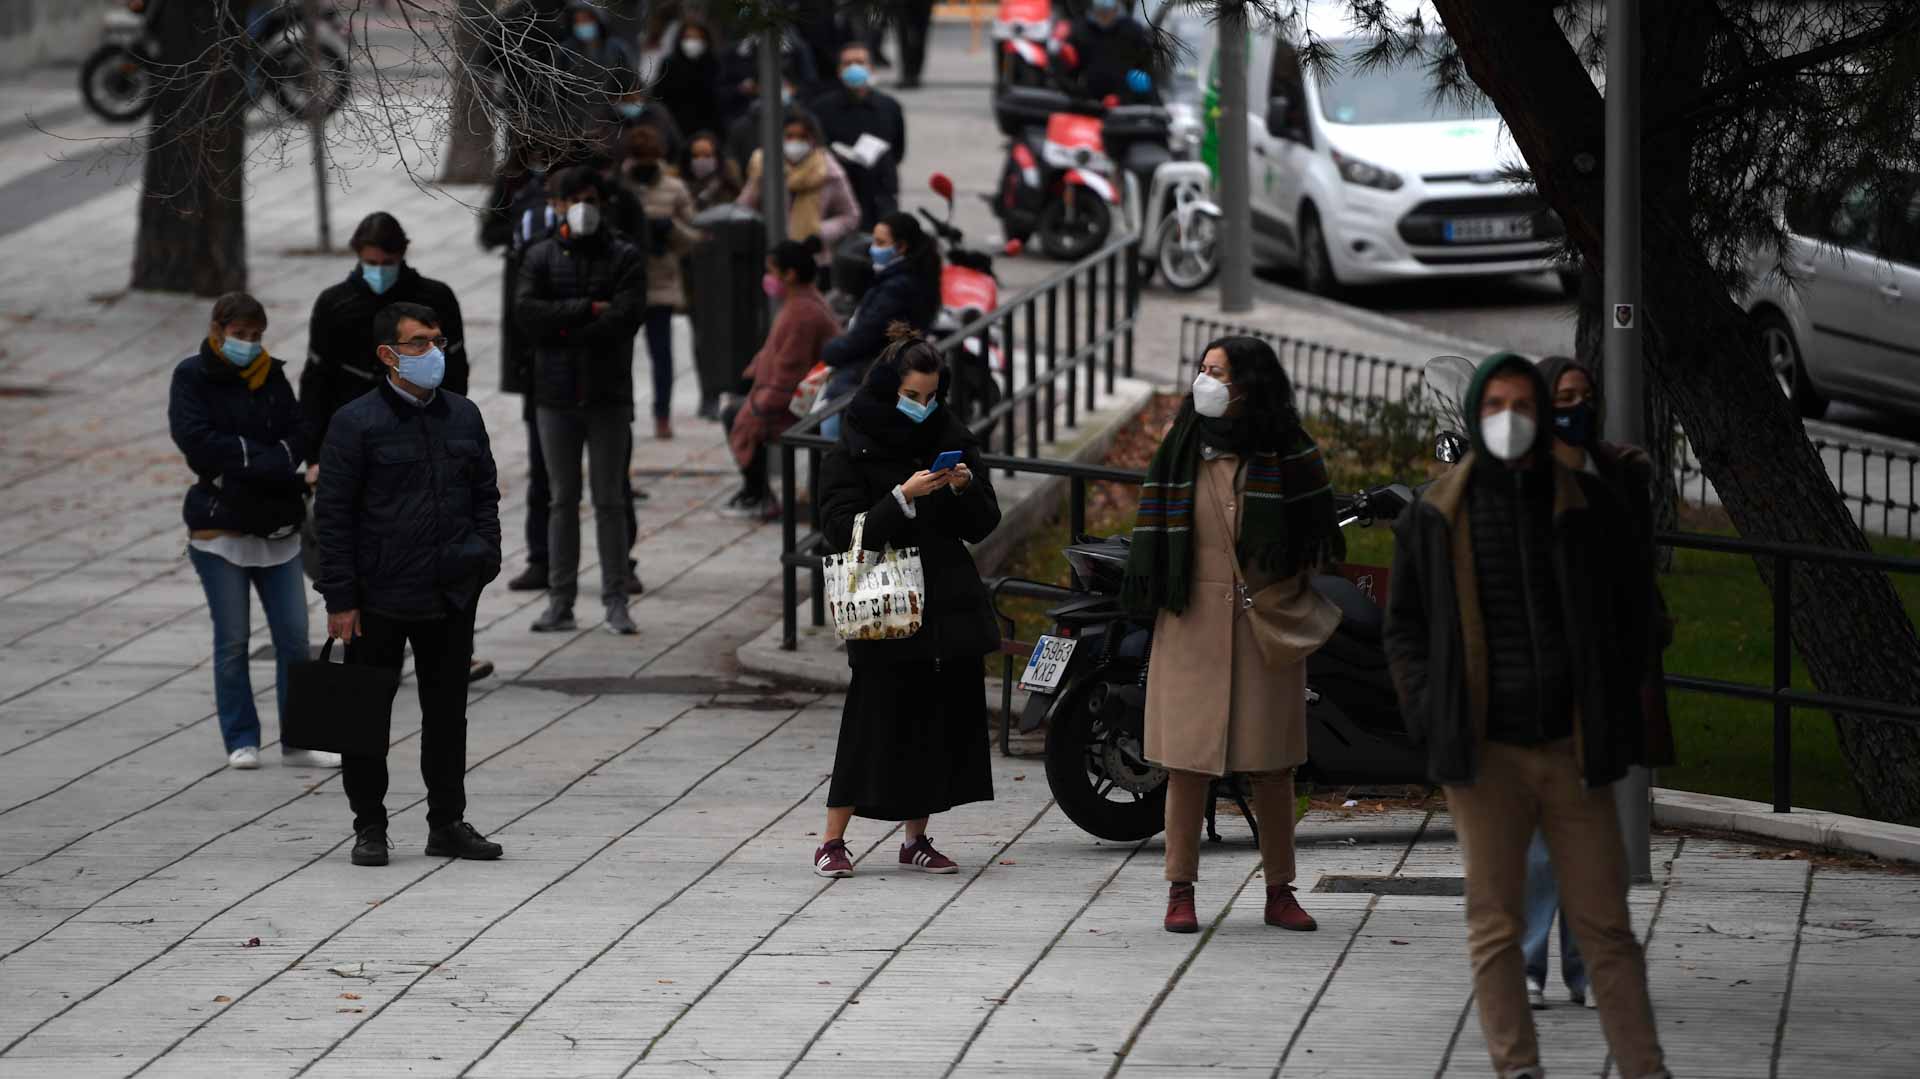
{"x": 913, "y": 736}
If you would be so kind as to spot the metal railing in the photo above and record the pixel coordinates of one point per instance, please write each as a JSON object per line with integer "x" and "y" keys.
{"x": 1328, "y": 383}
{"x": 1067, "y": 343}
{"x": 1881, "y": 486}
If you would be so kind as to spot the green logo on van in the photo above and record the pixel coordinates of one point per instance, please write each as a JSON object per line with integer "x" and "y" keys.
{"x": 1464, "y": 131}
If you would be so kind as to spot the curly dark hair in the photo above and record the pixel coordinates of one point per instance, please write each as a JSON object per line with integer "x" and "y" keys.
{"x": 1261, "y": 386}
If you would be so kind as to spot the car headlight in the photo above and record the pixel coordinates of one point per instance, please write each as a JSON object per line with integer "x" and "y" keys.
{"x": 1366, "y": 174}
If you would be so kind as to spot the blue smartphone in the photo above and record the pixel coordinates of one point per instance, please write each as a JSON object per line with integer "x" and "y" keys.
{"x": 947, "y": 460}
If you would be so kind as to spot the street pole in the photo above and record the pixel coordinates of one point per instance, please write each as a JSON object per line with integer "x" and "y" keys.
{"x": 317, "y": 124}
{"x": 773, "y": 122}
{"x": 1236, "y": 207}
{"x": 1625, "y": 378}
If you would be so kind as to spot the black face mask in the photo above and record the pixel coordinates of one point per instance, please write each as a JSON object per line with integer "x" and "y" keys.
{"x": 1575, "y": 425}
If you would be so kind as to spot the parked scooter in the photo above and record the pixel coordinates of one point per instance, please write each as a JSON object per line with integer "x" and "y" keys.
{"x": 1055, "y": 181}
{"x": 1167, "y": 196}
{"x": 968, "y": 290}
{"x": 119, "y": 79}
{"x": 1022, "y": 31}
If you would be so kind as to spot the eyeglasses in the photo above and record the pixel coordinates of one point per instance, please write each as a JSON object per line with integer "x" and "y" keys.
{"x": 418, "y": 346}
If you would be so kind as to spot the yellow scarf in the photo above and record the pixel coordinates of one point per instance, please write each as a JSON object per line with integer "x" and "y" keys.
{"x": 256, "y": 372}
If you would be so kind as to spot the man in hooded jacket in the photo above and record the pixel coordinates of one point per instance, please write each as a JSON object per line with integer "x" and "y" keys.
{"x": 1512, "y": 632}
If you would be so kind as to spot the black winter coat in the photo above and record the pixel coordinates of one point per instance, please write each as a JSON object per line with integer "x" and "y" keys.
{"x": 408, "y": 507}
{"x": 1437, "y": 641}
{"x": 859, "y": 476}
{"x": 245, "y": 446}
{"x": 895, "y": 296}
{"x": 690, "y": 90}
{"x": 844, "y": 118}
{"x": 516, "y": 217}
{"x": 580, "y": 359}
{"x": 1108, "y": 53}
{"x": 341, "y": 360}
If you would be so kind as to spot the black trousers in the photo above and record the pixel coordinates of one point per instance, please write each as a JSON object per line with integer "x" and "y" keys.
{"x": 539, "y": 495}
{"x": 442, "y": 649}
{"x": 915, "y": 20}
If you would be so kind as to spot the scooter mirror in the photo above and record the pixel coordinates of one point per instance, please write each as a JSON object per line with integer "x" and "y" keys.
{"x": 942, "y": 186}
{"x": 1444, "y": 381}
{"x": 1449, "y": 448}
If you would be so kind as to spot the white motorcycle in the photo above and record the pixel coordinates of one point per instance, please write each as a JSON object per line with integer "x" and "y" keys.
{"x": 1166, "y": 196}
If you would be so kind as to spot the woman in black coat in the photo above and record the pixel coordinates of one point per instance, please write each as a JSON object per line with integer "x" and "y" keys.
{"x": 913, "y": 737}
{"x": 905, "y": 290}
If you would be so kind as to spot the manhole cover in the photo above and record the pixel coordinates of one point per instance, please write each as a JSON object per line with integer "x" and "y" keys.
{"x": 1377, "y": 885}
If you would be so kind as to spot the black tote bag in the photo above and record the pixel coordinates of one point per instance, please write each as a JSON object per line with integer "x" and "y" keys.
{"x": 344, "y": 708}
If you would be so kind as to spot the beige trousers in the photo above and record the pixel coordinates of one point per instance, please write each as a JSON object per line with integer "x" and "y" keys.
{"x": 1519, "y": 788}
{"x": 1187, "y": 812}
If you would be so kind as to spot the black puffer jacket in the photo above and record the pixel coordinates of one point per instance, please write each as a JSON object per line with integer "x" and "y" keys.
{"x": 897, "y": 295}
{"x": 246, "y": 446}
{"x": 859, "y": 476}
{"x": 1528, "y": 666}
{"x": 408, "y": 508}
{"x": 580, "y": 359}
{"x": 341, "y": 364}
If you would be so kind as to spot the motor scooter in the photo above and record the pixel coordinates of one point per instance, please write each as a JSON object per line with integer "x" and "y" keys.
{"x": 120, "y": 78}
{"x": 1056, "y": 181}
{"x": 968, "y": 290}
{"x": 1167, "y": 197}
{"x": 1022, "y": 30}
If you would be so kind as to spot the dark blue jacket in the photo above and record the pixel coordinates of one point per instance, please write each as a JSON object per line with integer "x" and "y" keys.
{"x": 341, "y": 359}
{"x": 581, "y": 359}
{"x": 245, "y": 446}
{"x": 896, "y": 296}
{"x": 408, "y": 507}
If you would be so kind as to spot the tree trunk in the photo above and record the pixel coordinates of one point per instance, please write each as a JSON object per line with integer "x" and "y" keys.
{"x": 193, "y": 229}
{"x": 470, "y": 141}
{"x": 1704, "y": 358}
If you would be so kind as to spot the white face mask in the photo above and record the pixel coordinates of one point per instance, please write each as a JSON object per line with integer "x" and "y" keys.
{"x": 694, "y": 48}
{"x": 1508, "y": 435}
{"x": 583, "y": 218}
{"x": 1210, "y": 396}
{"x": 797, "y": 150}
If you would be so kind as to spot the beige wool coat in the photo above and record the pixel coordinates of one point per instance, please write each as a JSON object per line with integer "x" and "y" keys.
{"x": 1214, "y": 703}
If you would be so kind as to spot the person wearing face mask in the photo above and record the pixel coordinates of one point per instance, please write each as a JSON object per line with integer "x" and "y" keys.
{"x": 905, "y": 291}
{"x": 231, "y": 411}
{"x": 1236, "y": 514}
{"x": 913, "y": 734}
{"x": 852, "y": 110}
{"x": 1513, "y": 633}
{"x": 581, "y": 299}
{"x": 341, "y": 364}
{"x": 1111, "y": 44}
{"x": 820, "y": 202}
{"x": 666, "y": 209}
{"x": 634, "y": 107}
{"x": 800, "y": 330}
{"x": 409, "y": 515}
{"x": 713, "y": 176}
{"x": 689, "y": 81}
{"x": 594, "y": 46}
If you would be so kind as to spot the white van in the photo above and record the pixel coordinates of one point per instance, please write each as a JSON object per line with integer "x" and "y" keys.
{"x": 1362, "y": 177}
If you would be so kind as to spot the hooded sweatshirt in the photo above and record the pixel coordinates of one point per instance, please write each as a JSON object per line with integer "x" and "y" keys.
{"x": 1510, "y": 511}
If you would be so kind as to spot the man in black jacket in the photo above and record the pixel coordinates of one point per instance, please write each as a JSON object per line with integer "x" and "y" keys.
{"x": 408, "y": 513}
{"x": 581, "y": 298}
{"x": 854, "y": 109}
{"x": 340, "y": 340}
{"x": 1110, "y": 43}
{"x": 1514, "y": 638}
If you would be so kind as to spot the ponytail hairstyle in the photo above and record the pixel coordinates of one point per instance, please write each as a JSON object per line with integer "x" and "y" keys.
{"x": 922, "y": 259}
{"x": 797, "y": 256}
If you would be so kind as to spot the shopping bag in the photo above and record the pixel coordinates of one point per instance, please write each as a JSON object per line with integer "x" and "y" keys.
{"x": 808, "y": 392}
{"x": 344, "y": 708}
{"x": 874, "y": 595}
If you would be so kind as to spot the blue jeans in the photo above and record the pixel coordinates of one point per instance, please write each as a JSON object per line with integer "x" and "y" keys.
{"x": 1543, "y": 902}
{"x": 841, "y": 383}
{"x": 659, "y": 326}
{"x": 283, "y": 593}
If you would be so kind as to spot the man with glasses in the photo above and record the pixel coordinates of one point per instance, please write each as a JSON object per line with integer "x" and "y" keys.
{"x": 408, "y": 509}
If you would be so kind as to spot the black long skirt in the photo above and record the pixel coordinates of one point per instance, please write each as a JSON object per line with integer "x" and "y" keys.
{"x": 913, "y": 740}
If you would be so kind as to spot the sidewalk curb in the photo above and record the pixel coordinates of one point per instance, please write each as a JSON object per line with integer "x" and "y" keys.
{"x": 1802, "y": 827}
{"x": 820, "y": 661}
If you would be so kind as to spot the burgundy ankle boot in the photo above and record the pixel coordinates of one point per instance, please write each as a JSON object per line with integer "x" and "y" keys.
{"x": 1180, "y": 915}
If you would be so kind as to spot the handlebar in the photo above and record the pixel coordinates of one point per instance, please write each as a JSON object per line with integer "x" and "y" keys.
{"x": 941, "y": 228}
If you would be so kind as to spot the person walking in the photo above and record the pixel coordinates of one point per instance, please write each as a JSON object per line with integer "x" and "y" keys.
{"x": 856, "y": 109}
{"x": 905, "y": 289}
{"x": 1236, "y": 516}
{"x": 1510, "y": 633}
{"x": 800, "y": 331}
{"x": 689, "y": 81}
{"x": 409, "y": 520}
{"x": 231, "y": 411}
{"x": 666, "y": 209}
{"x": 820, "y": 203}
{"x": 581, "y": 299}
{"x": 913, "y": 734}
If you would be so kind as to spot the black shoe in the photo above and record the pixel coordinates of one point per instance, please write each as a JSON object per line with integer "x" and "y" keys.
{"x": 478, "y": 669}
{"x": 532, "y": 579}
{"x": 461, "y": 840}
{"x": 371, "y": 846}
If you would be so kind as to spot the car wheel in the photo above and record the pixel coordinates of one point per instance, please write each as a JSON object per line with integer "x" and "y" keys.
{"x": 1316, "y": 266}
{"x": 1789, "y": 366}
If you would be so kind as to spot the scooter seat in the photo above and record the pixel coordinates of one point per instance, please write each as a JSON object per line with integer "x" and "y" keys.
{"x": 1359, "y": 617}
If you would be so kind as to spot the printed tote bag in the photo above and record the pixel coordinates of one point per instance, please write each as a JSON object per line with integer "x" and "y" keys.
{"x": 874, "y": 595}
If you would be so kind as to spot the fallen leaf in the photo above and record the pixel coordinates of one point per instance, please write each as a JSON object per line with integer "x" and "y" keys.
{"x": 252, "y": 942}
{"x": 1008, "y": 861}
{"x": 826, "y": 983}
{"x": 1396, "y": 942}
{"x": 349, "y": 996}
{"x": 664, "y": 981}
{"x": 1021, "y": 778}
{"x": 350, "y": 1011}
{"x": 223, "y": 1000}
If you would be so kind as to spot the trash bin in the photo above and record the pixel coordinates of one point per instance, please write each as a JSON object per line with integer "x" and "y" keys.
{"x": 729, "y": 308}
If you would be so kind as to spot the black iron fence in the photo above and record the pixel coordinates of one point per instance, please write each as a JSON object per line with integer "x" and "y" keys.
{"x": 1878, "y": 484}
{"x": 1329, "y": 383}
{"x": 1069, "y": 334}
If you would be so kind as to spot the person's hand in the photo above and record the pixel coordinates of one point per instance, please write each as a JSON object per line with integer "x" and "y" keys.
{"x": 313, "y": 475}
{"x": 959, "y": 476}
{"x": 600, "y": 308}
{"x": 344, "y": 625}
{"x": 924, "y": 483}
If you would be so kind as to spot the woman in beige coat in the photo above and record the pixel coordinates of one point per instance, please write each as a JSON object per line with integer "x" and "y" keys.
{"x": 1235, "y": 517}
{"x": 667, "y": 207}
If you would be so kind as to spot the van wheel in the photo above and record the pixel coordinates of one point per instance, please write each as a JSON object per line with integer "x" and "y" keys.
{"x": 1789, "y": 366}
{"x": 1316, "y": 266}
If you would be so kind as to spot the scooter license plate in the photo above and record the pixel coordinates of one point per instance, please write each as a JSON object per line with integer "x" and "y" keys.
{"x": 1479, "y": 230}
{"x": 1048, "y": 663}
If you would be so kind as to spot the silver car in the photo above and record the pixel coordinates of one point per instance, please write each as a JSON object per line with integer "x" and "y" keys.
{"x": 1848, "y": 329}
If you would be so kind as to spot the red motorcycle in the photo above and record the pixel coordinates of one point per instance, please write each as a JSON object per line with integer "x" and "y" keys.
{"x": 968, "y": 290}
{"x": 1058, "y": 180}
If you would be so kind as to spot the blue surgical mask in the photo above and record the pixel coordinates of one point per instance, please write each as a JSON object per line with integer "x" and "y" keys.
{"x": 914, "y": 410}
{"x": 379, "y": 278}
{"x": 856, "y": 76}
{"x": 425, "y": 370}
{"x": 586, "y": 31}
{"x": 1105, "y": 5}
{"x": 239, "y": 353}
{"x": 882, "y": 256}
{"x": 631, "y": 110}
